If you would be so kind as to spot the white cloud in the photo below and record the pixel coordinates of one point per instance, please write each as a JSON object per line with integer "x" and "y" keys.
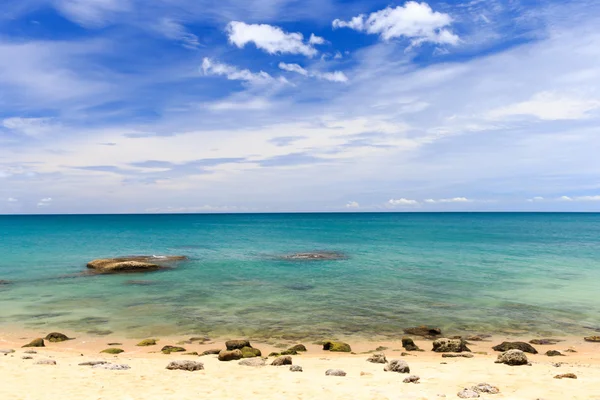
{"x": 29, "y": 126}
{"x": 210, "y": 67}
{"x": 247, "y": 104}
{"x": 271, "y": 39}
{"x": 12, "y": 200}
{"x": 92, "y": 13}
{"x": 451, "y": 200}
{"x": 176, "y": 31}
{"x": 549, "y": 106}
{"x": 316, "y": 40}
{"x": 588, "y": 198}
{"x": 536, "y": 199}
{"x": 336, "y": 76}
{"x": 415, "y": 21}
{"x": 402, "y": 202}
{"x": 45, "y": 202}
{"x": 353, "y": 205}
{"x": 565, "y": 198}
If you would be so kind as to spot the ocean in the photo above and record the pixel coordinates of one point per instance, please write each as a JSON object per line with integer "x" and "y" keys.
{"x": 496, "y": 273}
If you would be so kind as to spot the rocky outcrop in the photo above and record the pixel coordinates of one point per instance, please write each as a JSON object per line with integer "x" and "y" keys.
{"x": 450, "y": 346}
{"x": 283, "y": 360}
{"x": 337, "y": 347}
{"x": 512, "y": 357}
{"x": 186, "y": 365}
{"x": 133, "y": 264}
{"x": 399, "y": 366}
{"x": 147, "y": 342}
{"x": 335, "y": 372}
{"x": 230, "y": 355}
{"x": 409, "y": 344}
{"x": 594, "y": 339}
{"x": 56, "y": 337}
{"x": 377, "y": 358}
{"x": 172, "y": 349}
{"x": 315, "y": 256}
{"x": 36, "y": 343}
{"x": 112, "y": 350}
{"x": 525, "y": 347}
{"x": 237, "y": 344}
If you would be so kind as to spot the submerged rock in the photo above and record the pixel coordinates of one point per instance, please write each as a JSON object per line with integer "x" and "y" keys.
{"x": 566, "y": 376}
{"x": 337, "y": 347}
{"x": 237, "y": 344}
{"x": 335, "y": 372}
{"x": 512, "y": 357}
{"x": 315, "y": 256}
{"x": 545, "y": 341}
{"x": 409, "y": 344}
{"x": 147, "y": 342}
{"x": 185, "y": 365}
{"x": 505, "y": 346}
{"x": 423, "y": 330}
{"x": 56, "y": 337}
{"x": 36, "y": 343}
{"x": 113, "y": 350}
{"x": 230, "y": 355}
{"x": 377, "y": 358}
{"x": 283, "y": 360}
{"x": 450, "y": 346}
{"x": 133, "y": 263}
{"x": 399, "y": 366}
{"x": 3, "y": 282}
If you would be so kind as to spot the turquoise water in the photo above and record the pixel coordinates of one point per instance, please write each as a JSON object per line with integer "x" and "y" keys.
{"x": 484, "y": 273}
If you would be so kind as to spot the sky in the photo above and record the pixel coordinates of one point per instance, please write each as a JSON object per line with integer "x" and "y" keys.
{"x": 158, "y": 106}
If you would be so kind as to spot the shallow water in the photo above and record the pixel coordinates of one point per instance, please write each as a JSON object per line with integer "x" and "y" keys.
{"x": 484, "y": 273}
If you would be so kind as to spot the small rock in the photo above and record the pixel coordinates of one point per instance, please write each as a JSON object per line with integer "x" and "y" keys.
{"x": 468, "y": 394}
{"x": 377, "y": 358}
{"x": 230, "y": 355}
{"x": 570, "y": 351}
{"x": 112, "y": 350}
{"x": 506, "y": 346}
{"x": 544, "y": 341}
{"x": 46, "y": 362}
{"x": 114, "y": 344}
{"x": 411, "y": 379}
{"x": 595, "y": 339}
{"x": 253, "y": 362}
{"x": 557, "y": 365}
{"x": 362, "y": 373}
{"x": 193, "y": 353}
{"x": 211, "y": 352}
{"x": 295, "y": 368}
{"x": 6, "y": 351}
{"x": 36, "y": 343}
{"x": 147, "y": 342}
{"x": 92, "y": 363}
{"x": 29, "y": 352}
{"x": 554, "y": 353}
{"x": 337, "y": 347}
{"x": 399, "y": 366}
{"x": 456, "y": 355}
{"x": 486, "y": 388}
{"x": 237, "y": 344}
{"x": 298, "y": 348}
{"x": 335, "y": 372}
{"x": 112, "y": 367}
{"x": 249, "y": 352}
{"x": 450, "y": 346}
{"x": 566, "y": 376}
{"x": 172, "y": 349}
{"x": 423, "y": 331}
{"x": 283, "y": 360}
{"x": 56, "y": 337}
{"x": 185, "y": 365}
{"x": 512, "y": 357}
{"x": 409, "y": 344}
{"x": 478, "y": 338}
{"x": 27, "y": 358}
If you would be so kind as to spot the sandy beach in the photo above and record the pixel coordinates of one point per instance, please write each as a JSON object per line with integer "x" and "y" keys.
{"x": 149, "y": 379}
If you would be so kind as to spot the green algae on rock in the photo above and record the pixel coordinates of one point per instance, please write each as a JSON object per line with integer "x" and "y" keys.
{"x": 39, "y": 342}
{"x": 112, "y": 350}
{"x": 172, "y": 349}
{"x": 56, "y": 337}
{"x": 250, "y": 352}
{"x": 147, "y": 342}
{"x": 337, "y": 347}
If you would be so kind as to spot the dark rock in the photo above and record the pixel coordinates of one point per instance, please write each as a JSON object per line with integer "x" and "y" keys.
{"x": 92, "y": 363}
{"x": 457, "y": 355}
{"x": 237, "y": 344}
{"x": 3, "y": 282}
{"x": 335, "y": 372}
{"x": 409, "y": 344}
{"x": 36, "y": 343}
{"x": 253, "y": 362}
{"x": 140, "y": 283}
{"x": 478, "y": 338}
{"x": 112, "y": 367}
{"x": 594, "y": 339}
{"x": 337, "y": 347}
{"x": 147, "y": 342}
{"x": 567, "y": 376}
{"x": 211, "y": 352}
{"x": 570, "y": 351}
{"x": 295, "y": 368}
{"x": 113, "y": 350}
{"x": 249, "y": 352}
{"x": 557, "y": 365}
{"x": 288, "y": 352}
{"x": 56, "y": 337}
{"x": 26, "y": 352}
{"x": 185, "y": 365}
{"x": 27, "y": 358}
{"x": 411, "y": 379}
{"x": 525, "y": 347}
{"x": 423, "y": 331}
{"x": 315, "y": 256}
{"x": 512, "y": 357}
{"x": 133, "y": 264}
{"x": 283, "y": 360}
{"x": 554, "y": 353}
{"x": 377, "y": 358}
{"x": 450, "y": 346}
{"x": 399, "y": 366}
{"x": 172, "y": 349}
{"x": 230, "y": 355}
{"x": 485, "y": 388}
{"x": 115, "y": 344}
{"x": 545, "y": 341}
{"x": 298, "y": 348}
{"x": 45, "y": 362}
{"x": 468, "y": 394}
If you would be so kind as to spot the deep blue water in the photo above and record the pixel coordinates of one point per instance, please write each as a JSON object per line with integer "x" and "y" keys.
{"x": 464, "y": 272}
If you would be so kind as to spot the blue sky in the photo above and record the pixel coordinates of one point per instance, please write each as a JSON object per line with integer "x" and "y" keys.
{"x": 288, "y": 105}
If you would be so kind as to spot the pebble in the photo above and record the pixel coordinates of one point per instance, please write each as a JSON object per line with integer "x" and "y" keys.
{"x": 567, "y": 376}
{"x": 412, "y": 379}
{"x": 46, "y": 362}
{"x": 114, "y": 367}
{"x": 335, "y": 372}
{"x": 295, "y": 368}
{"x": 468, "y": 394}
{"x": 27, "y": 358}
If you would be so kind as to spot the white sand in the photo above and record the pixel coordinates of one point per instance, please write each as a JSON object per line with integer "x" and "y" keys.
{"x": 148, "y": 379}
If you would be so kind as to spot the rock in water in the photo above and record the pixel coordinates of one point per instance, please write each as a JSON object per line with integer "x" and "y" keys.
{"x": 399, "y": 366}
{"x": 230, "y": 355}
{"x": 133, "y": 264}
{"x": 253, "y": 362}
{"x": 295, "y": 368}
{"x": 423, "y": 331}
{"x": 172, "y": 349}
{"x": 335, "y": 372}
{"x": 377, "y": 358}
{"x": 412, "y": 379}
{"x": 112, "y": 367}
{"x": 554, "y": 353}
{"x": 468, "y": 394}
{"x": 237, "y": 344}
{"x": 186, "y": 365}
{"x": 337, "y": 347}
{"x": 566, "y": 376}
{"x": 525, "y": 347}
{"x": 283, "y": 360}
{"x": 450, "y": 346}
{"x": 56, "y": 337}
{"x": 315, "y": 256}
{"x": 594, "y": 339}
{"x": 36, "y": 343}
{"x": 485, "y": 388}
{"x": 112, "y": 350}
{"x": 409, "y": 344}
{"x": 46, "y": 362}
{"x": 147, "y": 342}
{"x": 512, "y": 357}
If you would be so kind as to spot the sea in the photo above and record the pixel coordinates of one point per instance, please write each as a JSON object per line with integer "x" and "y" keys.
{"x": 479, "y": 273}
